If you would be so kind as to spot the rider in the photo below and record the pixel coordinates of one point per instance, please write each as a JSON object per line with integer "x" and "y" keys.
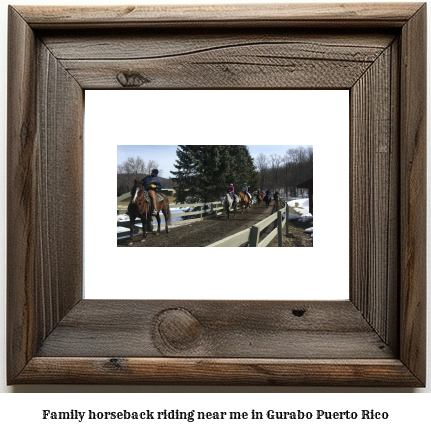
{"x": 231, "y": 190}
{"x": 151, "y": 184}
{"x": 246, "y": 189}
{"x": 277, "y": 197}
{"x": 268, "y": 194}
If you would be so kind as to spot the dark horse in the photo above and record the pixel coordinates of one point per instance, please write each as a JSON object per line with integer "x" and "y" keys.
{"x": 138, "y": 207}
{"x": 245, "y": 202}
{"x": 267, "y": 200}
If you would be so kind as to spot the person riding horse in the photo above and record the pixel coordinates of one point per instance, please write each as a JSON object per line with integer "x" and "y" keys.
{"x": 151, "y": 184}
{"x": 267, "y": 198}
{"x": 231, "y": 190}
{"x": 246, "y": 190}
{"x": 277, "y": 199}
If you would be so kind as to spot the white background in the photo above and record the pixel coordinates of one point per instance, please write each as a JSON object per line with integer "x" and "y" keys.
{"x": 24, "y": 410}
{"x": 318, "y": 118}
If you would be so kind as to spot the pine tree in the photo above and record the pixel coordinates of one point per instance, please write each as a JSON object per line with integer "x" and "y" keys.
{"x": 204, "y": 172}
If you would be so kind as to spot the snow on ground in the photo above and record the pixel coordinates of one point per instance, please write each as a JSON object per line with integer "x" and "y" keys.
{"x": 125, "y": 218}
{"x": 302, "y": 208}
{"x": 309, "y": 231}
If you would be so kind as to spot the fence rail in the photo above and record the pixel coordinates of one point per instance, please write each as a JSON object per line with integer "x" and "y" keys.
{"x": 216, "y": 209}
{"x": 252, "y": 235}
{"x": 249, "y": 235}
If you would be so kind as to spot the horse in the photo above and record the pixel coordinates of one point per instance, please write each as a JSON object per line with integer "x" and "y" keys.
{"x": 133, "y": 212}
{"x": 259, "y": 198}
{"x": 267, "y": 200}
{"x": 245, "y": 202}
{"x": 138, "y": 207}
{"x": 228, "y": 203}
{"x": 277, "y": 202}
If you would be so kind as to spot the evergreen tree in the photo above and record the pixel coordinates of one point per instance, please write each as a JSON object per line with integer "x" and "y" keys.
{"x": 204, "y": 172}
{"x": 242, "y": 169}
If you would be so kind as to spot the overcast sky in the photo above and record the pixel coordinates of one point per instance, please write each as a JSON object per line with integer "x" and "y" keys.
{"x": 165, "y": 155}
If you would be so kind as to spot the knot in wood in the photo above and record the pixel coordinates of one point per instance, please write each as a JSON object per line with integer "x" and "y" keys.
{"x": 131, "y": 79}
{"x": 298, "y": 312}
{"x": 178, "y": 329}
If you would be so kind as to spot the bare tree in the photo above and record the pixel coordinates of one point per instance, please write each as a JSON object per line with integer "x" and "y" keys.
{"x": 132, "y": 166}
{"x": 262, "y": 165}
{"x": 152, "y": 164}
{"x": 131, "y": 169}
{"x": 297, "y": 168}
{"x": 276, "y": 161}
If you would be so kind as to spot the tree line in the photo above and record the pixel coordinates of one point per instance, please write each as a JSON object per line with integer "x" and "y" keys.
{"x": 285, "y": 172}
{"x": 136, "y": 168}
{"x": 204, "y": 172}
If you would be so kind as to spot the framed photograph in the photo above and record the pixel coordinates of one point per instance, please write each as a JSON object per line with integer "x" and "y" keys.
{"x": 376, "y": 337}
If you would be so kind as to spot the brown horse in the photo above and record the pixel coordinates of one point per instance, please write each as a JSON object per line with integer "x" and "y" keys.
{"x": 259, "y": 198}
{"x": 277, "y": 202}
{"x": 133, "y": 213}
{"x": 139, "y": 207}
{"x": 245, "y": 202}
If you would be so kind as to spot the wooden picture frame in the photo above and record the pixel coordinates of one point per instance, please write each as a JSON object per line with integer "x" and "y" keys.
{"x": 376, "y": 338}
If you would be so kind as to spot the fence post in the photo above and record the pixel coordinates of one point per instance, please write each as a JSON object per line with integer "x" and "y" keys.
{"x": 287, "y": 220}
{"x": 280, "y": 228}
{"x": 254, "y": 236}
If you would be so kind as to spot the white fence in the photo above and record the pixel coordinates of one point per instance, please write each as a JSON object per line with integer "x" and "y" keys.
{"x": 215, "y": 210}
{"x": 249, "y": 235}
{"x": 252, "y": 235}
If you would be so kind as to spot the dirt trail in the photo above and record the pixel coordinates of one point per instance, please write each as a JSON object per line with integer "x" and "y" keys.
{"x": 201, "y": 234}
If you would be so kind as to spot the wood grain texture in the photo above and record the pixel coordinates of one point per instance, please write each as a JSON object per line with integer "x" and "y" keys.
{"x": 198, "y": 371}
{"x": 55, "y": 337}
{"x": 21, "y": 238}
{"x": 413, "y": 194}
{"x": 300, "y": 15}
{"x": 374, "y": 195}
{"x": 141, "y": 44}
{"x": 45, "y": 106}
{"x": 59, "y": 183}
{"x": 229, "y": 329}
{"x": 226, "y": 60}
